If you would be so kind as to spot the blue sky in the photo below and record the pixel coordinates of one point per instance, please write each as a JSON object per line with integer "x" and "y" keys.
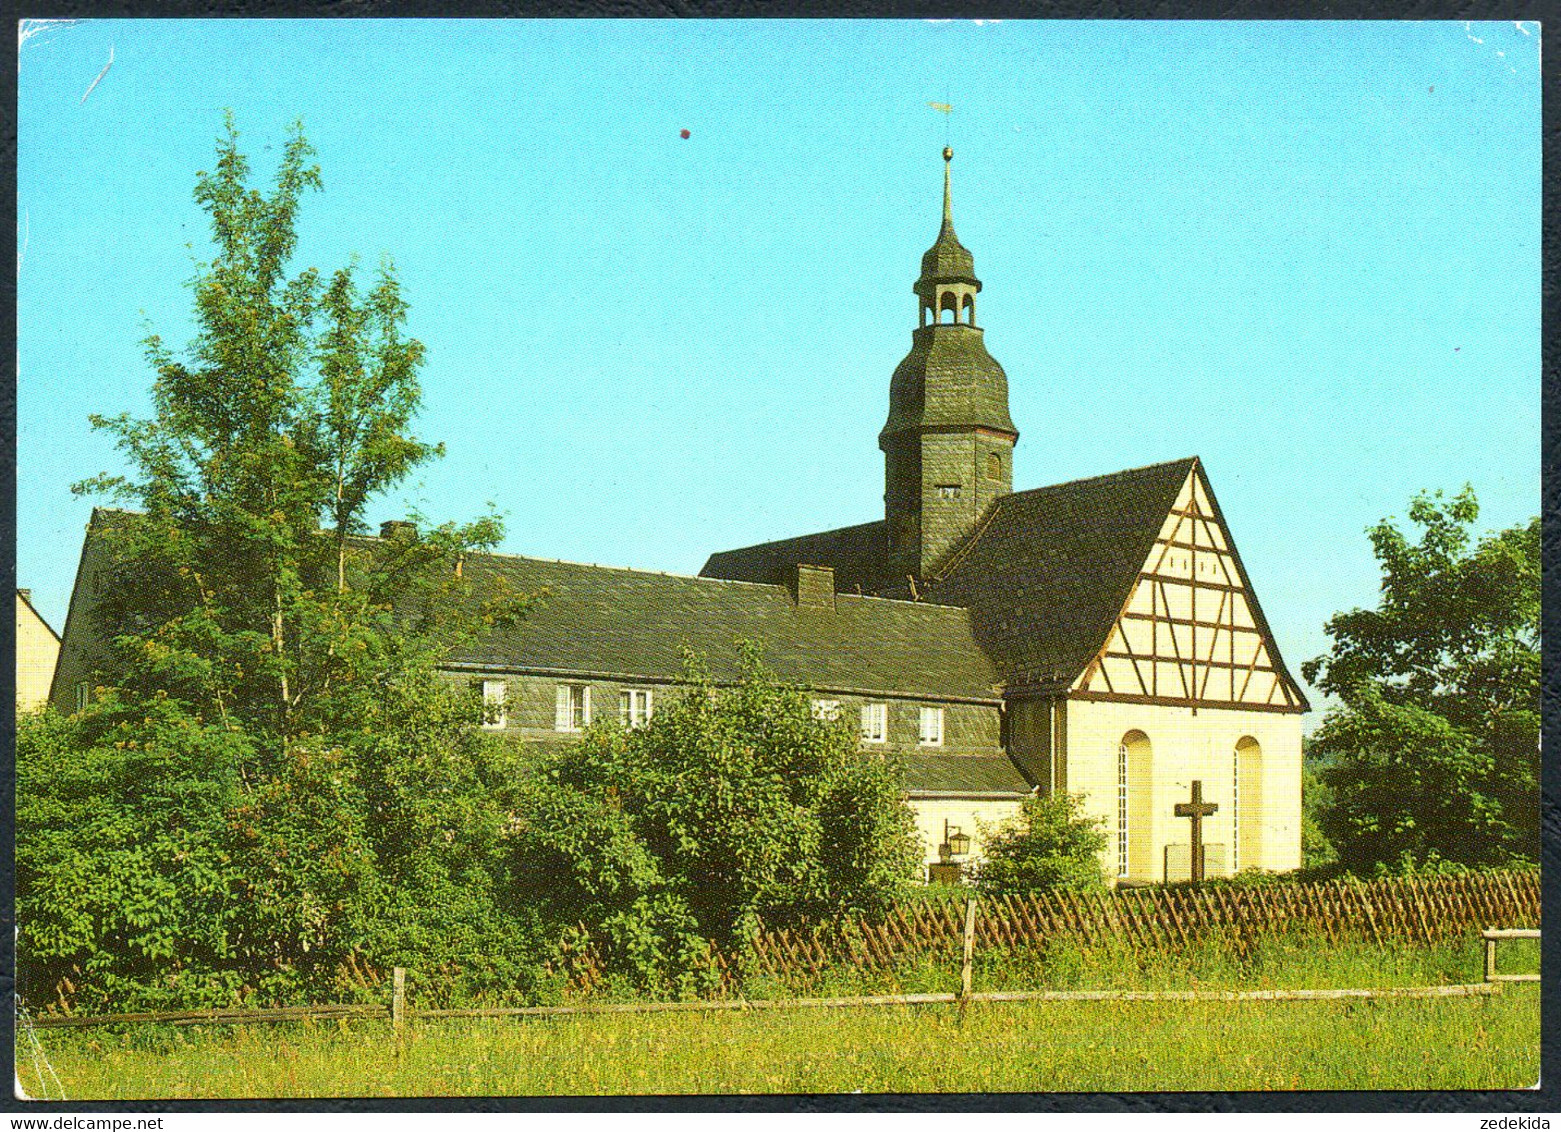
{"x": 1307, "y": 252}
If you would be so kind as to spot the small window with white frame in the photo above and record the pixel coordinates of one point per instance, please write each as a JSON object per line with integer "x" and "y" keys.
{"x": 493, "y": 697}
{"x": 930, "y": 734}
{"x": 875, "y": 723}
{"x": 634, "y": 706}
{"x": 826, "y": 710}
{"x": 573, "y": 709}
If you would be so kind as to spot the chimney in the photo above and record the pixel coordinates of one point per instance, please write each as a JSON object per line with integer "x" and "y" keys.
{"x": 815, "y": 587}
{"x": 397, "y": 528}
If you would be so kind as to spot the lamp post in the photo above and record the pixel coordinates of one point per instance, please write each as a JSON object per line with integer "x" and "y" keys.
{"x": 956, "y": 843}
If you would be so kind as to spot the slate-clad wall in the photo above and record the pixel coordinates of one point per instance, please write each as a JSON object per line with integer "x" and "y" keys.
{"x": 960, "y": 458}
{"x": 1030, "y": 729}
{"x": 531, "y": 702}
{"x": 902, "y": 506}
{"x": 84, "y": 651}
{"x": 946, "y": 458}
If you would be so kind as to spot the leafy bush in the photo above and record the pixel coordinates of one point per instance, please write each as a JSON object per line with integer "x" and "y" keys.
{"x": 732, "y": 805}
{"x": 151, "y": 875}
{"x": 1050, "y": 845}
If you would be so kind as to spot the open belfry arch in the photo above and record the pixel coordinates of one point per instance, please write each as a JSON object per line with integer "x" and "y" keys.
{"x": 1191, "y": 631}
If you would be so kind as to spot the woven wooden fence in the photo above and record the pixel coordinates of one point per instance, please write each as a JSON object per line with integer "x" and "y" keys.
{"x": 1409, "y": 909}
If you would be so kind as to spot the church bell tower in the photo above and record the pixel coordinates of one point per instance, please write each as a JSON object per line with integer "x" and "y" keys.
{"x": 948, "y": 444}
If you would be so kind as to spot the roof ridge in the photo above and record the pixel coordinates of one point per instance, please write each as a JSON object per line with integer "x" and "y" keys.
{"x": 604, "y": 566}
{"x": 703, "y": 578}
{"x": 798, "y": 538}
{"x": 1189, "y": 460}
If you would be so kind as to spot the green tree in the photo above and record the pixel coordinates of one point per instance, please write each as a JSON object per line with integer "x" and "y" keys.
{"x": 1434, "y": 749}
{"x": 731, "y": 804}
{"x": 1050, "y": 845}
{"x": 1317, "y": 851}
{"x": 240, "y": 587}
{"x": 271, "y": 664}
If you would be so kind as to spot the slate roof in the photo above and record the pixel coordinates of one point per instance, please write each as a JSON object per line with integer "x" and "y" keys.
{"x": 962, "y": 774}
{"x": 948, "y": 260}
{"x": 610, "y": 621}
{"x": 948, "y": 380}
{"x": 1044, "y": 574}
{"x": 1047, "y": 571}
{"x": 857, "y": 555}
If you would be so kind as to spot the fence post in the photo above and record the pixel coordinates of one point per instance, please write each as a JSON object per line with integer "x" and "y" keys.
{"x": 1490, "y": 956}
{"x": 970, "y": 949}
{"x": 398, "y": 1002}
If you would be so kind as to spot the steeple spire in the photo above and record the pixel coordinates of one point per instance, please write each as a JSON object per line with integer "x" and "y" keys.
{"x": 947, "y": 269}
{"x": 948, "y": 197}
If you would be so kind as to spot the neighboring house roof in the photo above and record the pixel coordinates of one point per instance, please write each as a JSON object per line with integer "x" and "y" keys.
{"x": 25, "y": 597}
{"x": 636, "y": 624}
{"x": 1046, "y": 571}
{"x": 857, "y": 555}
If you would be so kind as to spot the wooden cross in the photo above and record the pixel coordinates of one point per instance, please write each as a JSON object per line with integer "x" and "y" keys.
{"x": 1197, "y": 810}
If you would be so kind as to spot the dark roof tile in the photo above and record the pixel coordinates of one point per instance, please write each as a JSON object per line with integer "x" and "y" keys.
{"x": 962, "y": 774}
{"x": 1046, "y": 571}
{"x": 857, "y": 555}
{"x": 606, "y": 620}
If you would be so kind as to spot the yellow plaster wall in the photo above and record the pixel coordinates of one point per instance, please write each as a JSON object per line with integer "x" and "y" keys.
{"x": 1185, "y": 746}
{"x": 965, "y": 813}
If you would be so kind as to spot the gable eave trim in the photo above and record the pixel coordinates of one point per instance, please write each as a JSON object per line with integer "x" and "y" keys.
{"x": 968, "y": 795}
{"x": 1253, "y": 604}
{"x": 1178, "y": 702}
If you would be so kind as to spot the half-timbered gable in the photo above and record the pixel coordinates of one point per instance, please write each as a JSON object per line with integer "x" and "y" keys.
{"x": 1190, "y": 631}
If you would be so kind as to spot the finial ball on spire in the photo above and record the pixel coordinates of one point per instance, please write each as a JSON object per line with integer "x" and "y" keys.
{"x": 948, "y": 154}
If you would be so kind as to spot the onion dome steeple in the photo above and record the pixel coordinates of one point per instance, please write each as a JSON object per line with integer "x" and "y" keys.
{"x": 948, "y": 442}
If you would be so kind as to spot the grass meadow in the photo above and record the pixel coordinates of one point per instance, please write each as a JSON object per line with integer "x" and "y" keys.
{"x": 1449, "y": 1043}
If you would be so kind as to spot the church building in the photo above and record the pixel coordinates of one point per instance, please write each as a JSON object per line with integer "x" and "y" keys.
{"x": 1099, "y": 637}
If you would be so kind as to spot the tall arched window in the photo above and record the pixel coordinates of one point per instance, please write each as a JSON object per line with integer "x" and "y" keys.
{"x": 1133, "y": 833}
{"x": 1122, "y": 809}
{"x": 1247, "y": 805}
{"x": 949, "y": 306}
{"x": 1235, "y": 809}
{"x": 970, "y": 309}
